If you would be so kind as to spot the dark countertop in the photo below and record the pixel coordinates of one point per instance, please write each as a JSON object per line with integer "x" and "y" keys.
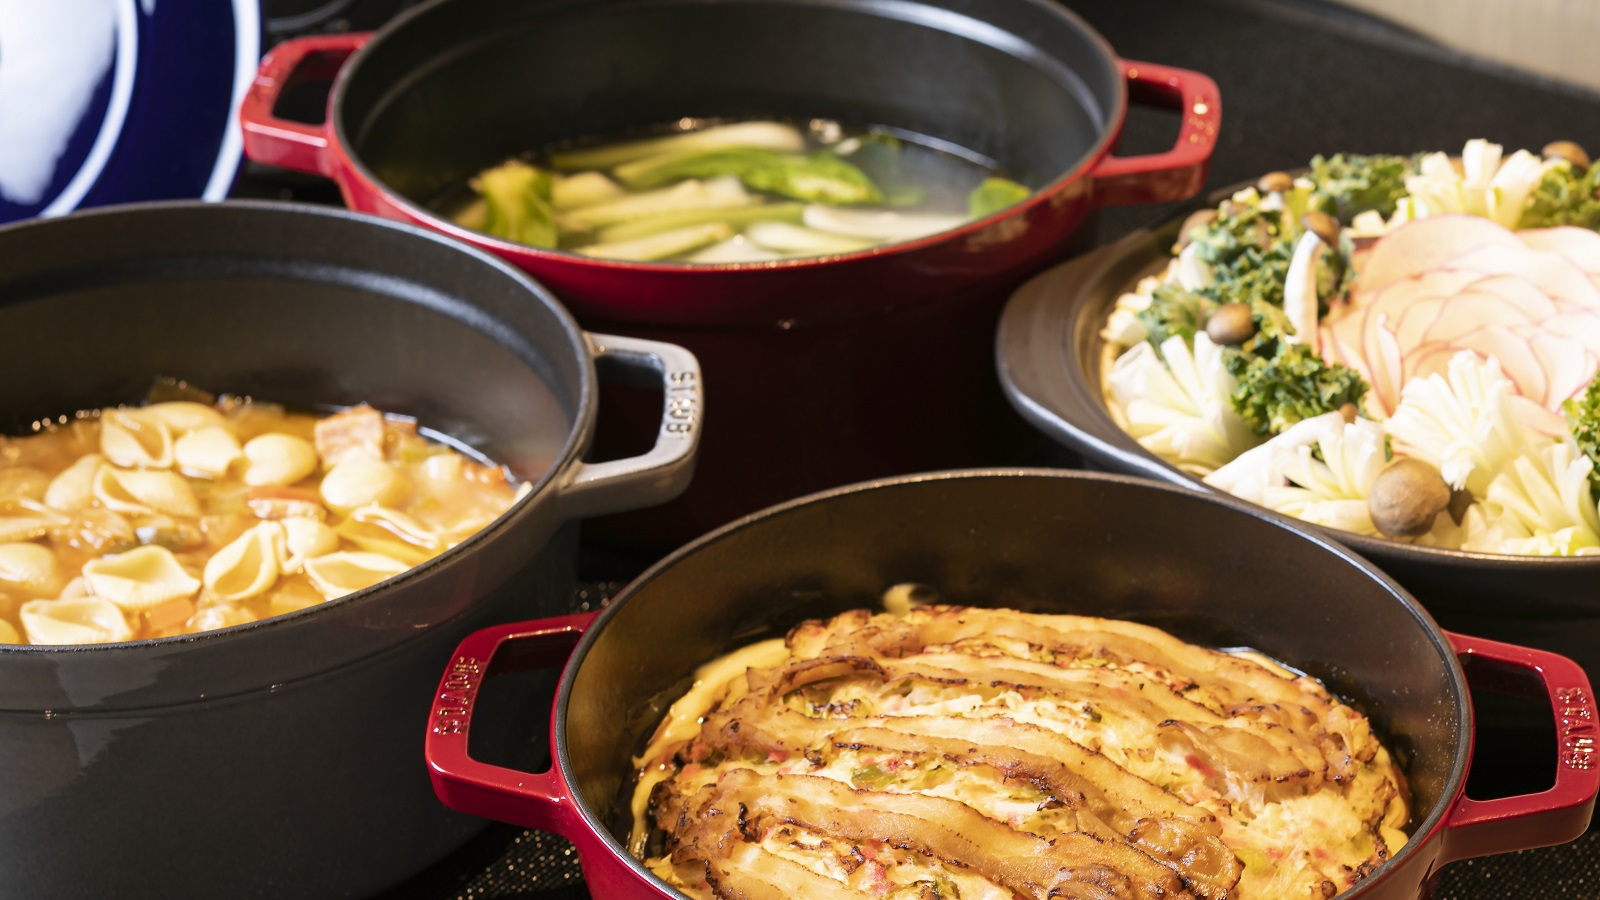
{"x": 1297, "y": 78}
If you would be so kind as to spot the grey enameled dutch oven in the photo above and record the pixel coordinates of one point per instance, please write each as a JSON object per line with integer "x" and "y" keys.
{"x": 279, "y": 758}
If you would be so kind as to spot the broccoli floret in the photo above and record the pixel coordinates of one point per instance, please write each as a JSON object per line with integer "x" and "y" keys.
{"x": 1278, "y": 391}
{"x": 1563, "y": 197}
{"x": 1349, "y": 184}
{"x": 1173, "y": 310}
{"x": 1583, "y": 417}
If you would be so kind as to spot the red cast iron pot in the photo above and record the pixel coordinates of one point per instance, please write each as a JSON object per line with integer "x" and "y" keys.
{"x": 836, "y": 368}
{"x": 1208, "y": 569}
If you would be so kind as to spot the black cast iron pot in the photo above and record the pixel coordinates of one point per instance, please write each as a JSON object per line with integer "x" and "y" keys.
{"x": 279, "y": 758}
{"x": 1208, "y": 569}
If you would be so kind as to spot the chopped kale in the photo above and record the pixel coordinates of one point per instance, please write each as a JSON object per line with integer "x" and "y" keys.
{"x": 1174, "y": 311}
{"x": 1293, "y": 384}
{"x": 1349, "y": 184}
{"x": 1583, "y": 417}
{"x": 1563, "y": 197}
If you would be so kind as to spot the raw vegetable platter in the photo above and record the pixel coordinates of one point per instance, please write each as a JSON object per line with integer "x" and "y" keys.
{"x": 1392, "y": 346}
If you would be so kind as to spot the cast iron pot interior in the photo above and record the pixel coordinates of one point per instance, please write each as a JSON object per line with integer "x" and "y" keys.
{"x": 464, "y": 84}
{"x": 1208, "y": 569}
{"x": 1209, "y": 572}
{"x": 841, "y": 344}
{"x": 1049, "y": 352}
{"x": 272, "y": 758}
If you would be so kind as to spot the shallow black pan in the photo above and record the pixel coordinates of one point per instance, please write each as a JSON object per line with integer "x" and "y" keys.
{"x": 1049, "y": 353}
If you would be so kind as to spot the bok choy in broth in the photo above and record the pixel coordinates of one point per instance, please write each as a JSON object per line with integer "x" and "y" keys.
{"x": 739, "y": 192}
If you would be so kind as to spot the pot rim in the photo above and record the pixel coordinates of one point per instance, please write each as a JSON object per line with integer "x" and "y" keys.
{"x": 1097, "y": 434}
{"x": 583, "y": 415}
{"x": 349, "y": 165}
{"x": 1427, "y": 829}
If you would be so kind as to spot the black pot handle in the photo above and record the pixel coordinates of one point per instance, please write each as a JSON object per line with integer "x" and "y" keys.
{"x": 594, "y": 489}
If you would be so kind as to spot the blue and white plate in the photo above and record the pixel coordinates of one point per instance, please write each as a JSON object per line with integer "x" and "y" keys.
{"x": 114, "y": 101}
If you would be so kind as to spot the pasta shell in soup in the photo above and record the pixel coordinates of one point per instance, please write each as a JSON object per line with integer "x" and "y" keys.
{"x": 73, "y": 488}
{"x": 362, "y": 481}
{"x": 349, "y": 571}
{"x": 248, "y": 567}
{"x": 223, "y": 616}
{"x": 24, "y": 520}
{"x": 145, "y": 492}
{"x": 140, "y": 579}
{"x": 278, "y": 459}
{"x": 32, "y": 568}
{"x": 207, "y": 452}
{"x": 76, "y": 620}
{"x": 392, "y": 533}
{"x": 9, "y": 634}
{"x": 304, "y": 538}
{"x": 135, "y": 440}
{"x": 184, "y": 416}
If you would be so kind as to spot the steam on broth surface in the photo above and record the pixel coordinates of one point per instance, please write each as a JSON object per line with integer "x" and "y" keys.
{"x": 702, "y": 192}
{"x": 181, "y": 516}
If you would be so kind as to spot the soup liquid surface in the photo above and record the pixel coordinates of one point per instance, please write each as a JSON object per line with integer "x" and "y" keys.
{"x": 927, "y": 186}
{"x": 174, "y": 518}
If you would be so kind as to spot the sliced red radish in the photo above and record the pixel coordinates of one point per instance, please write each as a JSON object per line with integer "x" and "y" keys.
{"x": 1441, "y": 284}
{"x": 1426, "y": 244}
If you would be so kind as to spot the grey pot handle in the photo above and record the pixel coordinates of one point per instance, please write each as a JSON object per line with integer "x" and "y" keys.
{"x": 594, "y": 489}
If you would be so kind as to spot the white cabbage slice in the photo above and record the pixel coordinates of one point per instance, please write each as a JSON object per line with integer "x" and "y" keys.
{"x": 1333, "y": 490}
{"x": 1176, "y": 403}
{"x": 1539, "y": 505}
{"x": 1465, "y": 424}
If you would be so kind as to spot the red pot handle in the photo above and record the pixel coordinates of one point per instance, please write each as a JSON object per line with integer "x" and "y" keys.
{"x": 1555, "y": 816}
{"x": 532, "y": 800}
{"x": 1179, "y": 173}
{"x": 280, "y": 142}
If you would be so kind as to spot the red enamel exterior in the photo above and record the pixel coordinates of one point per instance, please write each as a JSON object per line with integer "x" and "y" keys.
{"x": 911, "y": 320}
{"x": 545, "y": 801}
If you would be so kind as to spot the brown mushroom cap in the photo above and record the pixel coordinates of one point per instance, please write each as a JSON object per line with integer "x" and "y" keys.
{"x": 1275, "y": 183}
{"x": 1200, "y": 218}
{"x": 1406, "y": 497}
{"x": 1568, "y": 151}
{"x": 1324, "y": 226}
{"x": 1231, "y": 324}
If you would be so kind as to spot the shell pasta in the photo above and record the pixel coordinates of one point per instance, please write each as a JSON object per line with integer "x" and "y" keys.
{"x": 183, "y": 516}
